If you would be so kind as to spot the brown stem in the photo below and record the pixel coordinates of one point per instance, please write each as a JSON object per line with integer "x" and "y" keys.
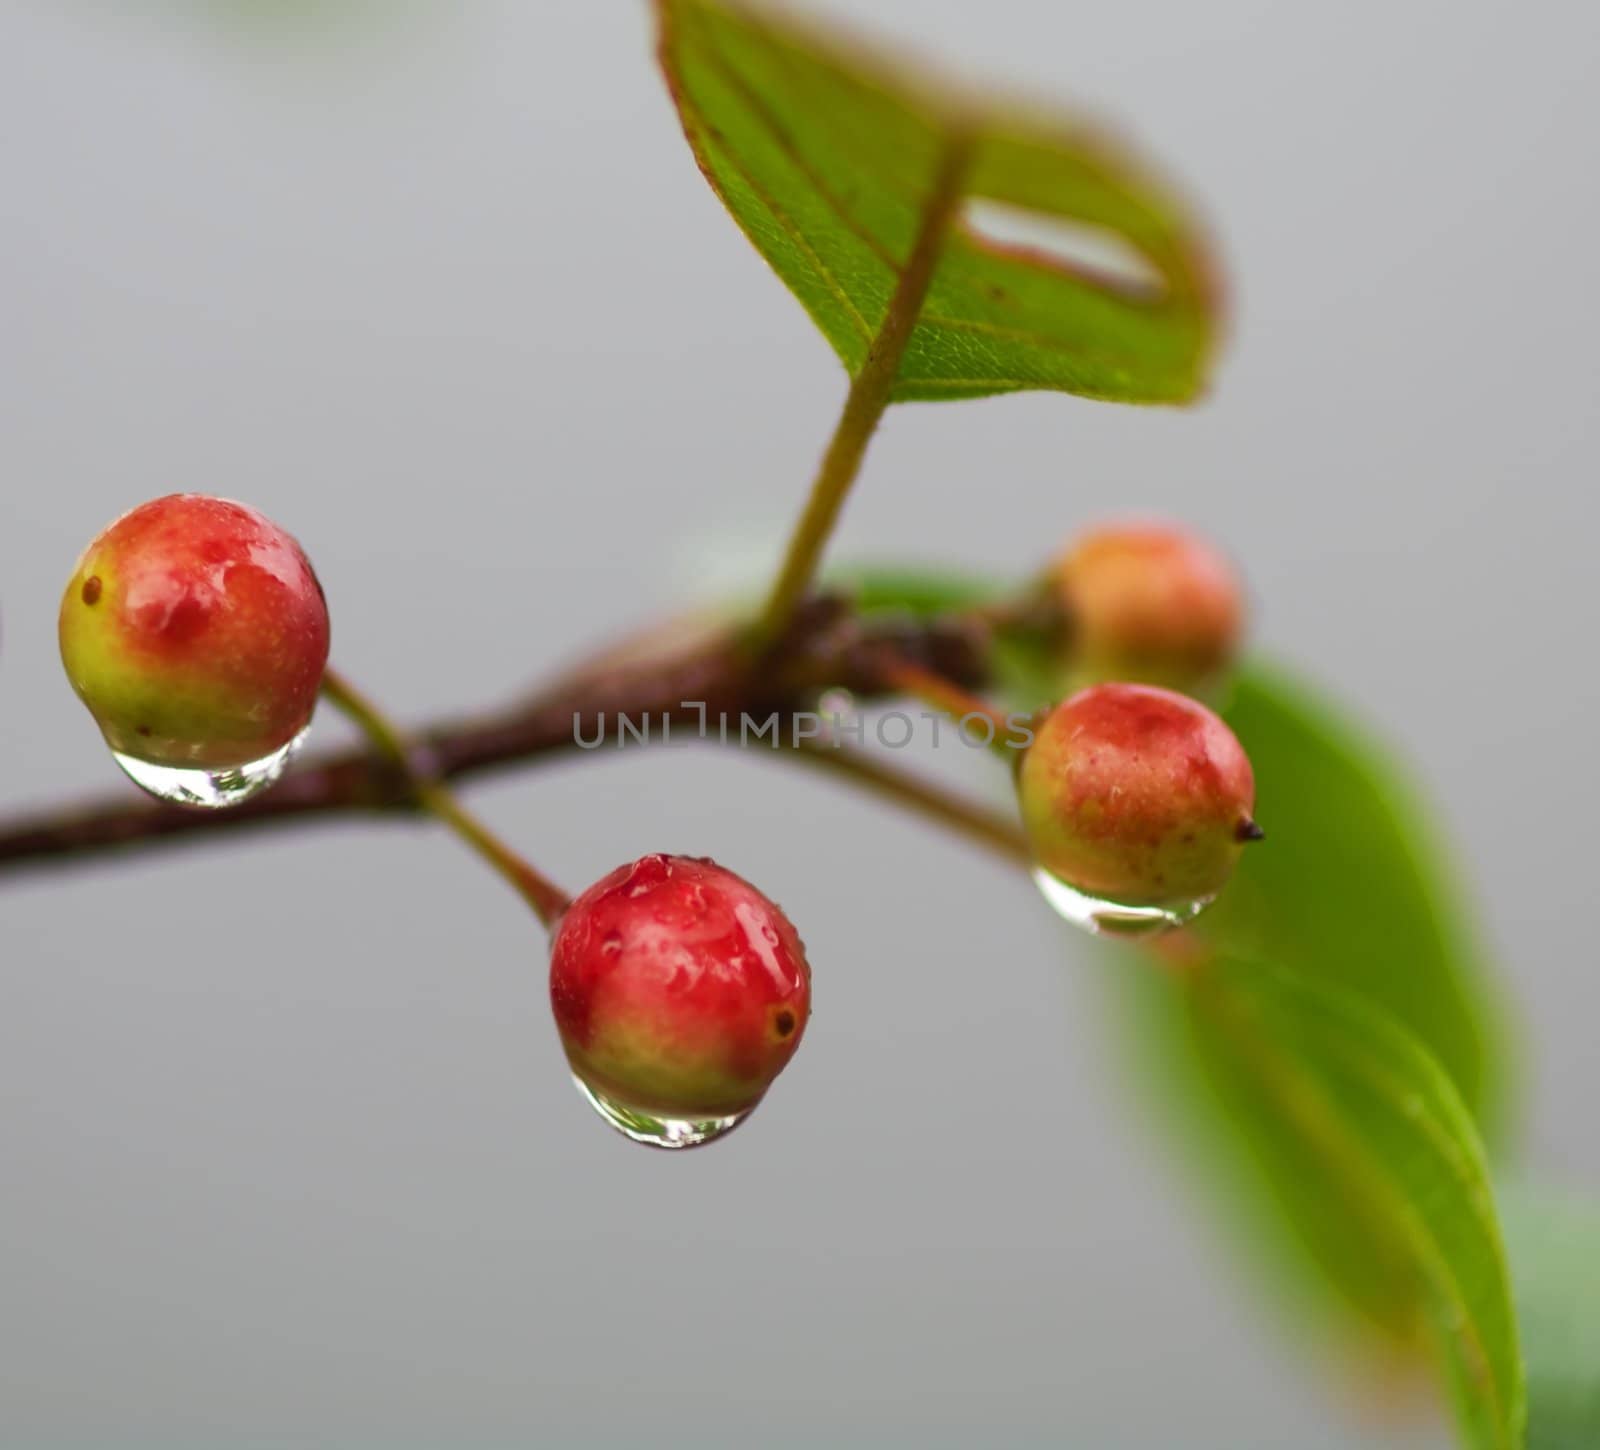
{"x": 826, "y": 646}
{"x": 950, "y": 699}
{"x": 991, "y": 830}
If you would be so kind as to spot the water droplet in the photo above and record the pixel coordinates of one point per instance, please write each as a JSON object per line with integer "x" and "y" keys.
{"x": 209, "y": 788}
{"x": 837, "y": 702}
{"x": 839, "y": 713}
{"x": 1100, "y": 916}
{"x": 658, "y": 1132}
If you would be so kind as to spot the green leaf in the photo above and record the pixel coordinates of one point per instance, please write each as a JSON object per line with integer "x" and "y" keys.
{"x": 1352, "y": 887}
{"x": 1351, "y": 895}
{"x": 899, "y": 589}
{"x": 827, "y": 157}
{"x": 1555, "y": 1263}
{"x": 1376, "y": 1163}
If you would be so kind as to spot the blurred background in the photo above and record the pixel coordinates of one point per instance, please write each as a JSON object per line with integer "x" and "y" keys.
{"x": 287, "y": 1151}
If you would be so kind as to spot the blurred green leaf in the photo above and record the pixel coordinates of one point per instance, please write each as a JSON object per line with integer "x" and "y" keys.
{"x": 1350, "y": 894}
{"x": 825, "y": 154}
{"x": 1555, "y": 1264}
{"x": 1352, "y": 886}
{"x": 1375, "y": 1161}
{"x": 899, "y": 589}
{"x": 1330, "y": 1099}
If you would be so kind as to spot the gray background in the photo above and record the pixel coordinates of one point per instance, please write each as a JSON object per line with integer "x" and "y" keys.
{"x": 287, "y": 1152}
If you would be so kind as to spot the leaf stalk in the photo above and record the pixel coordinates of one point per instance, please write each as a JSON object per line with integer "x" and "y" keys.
{"x": 871, "y": 392}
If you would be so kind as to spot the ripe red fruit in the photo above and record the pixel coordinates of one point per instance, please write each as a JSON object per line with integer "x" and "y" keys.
{"x": 1137, "y": 795}
{"x": 195, "y": 631}
{"x": 680, "y": 993}
{"x": 1150, "y": 602}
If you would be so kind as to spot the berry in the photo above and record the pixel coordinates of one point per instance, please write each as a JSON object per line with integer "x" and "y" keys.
{"x": 1137, "y": 795}
{"x": 196, "y": 632}
{"x": 1151, "y": 603}
{"x": 679, "y": 990}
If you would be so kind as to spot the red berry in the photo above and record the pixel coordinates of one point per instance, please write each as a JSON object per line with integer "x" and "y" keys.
{"x": 1137, "y": 795}
{"x": 195, "y": 631}
{"x": 1150, "y": 602}
{"x": 679, "y": 990}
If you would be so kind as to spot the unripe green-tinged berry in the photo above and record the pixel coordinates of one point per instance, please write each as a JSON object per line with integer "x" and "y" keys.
{"x": 196, "y": 632}
{"x": 1137, "y": 795}
{"x": 679, "y": 990}
{"x": 1151, "y": 603}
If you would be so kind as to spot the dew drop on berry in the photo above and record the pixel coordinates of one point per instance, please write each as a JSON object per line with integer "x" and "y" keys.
{"x": 208, "y": 788}
{"x": 1101, "y": 916}
{"x": 658, "y": 1132}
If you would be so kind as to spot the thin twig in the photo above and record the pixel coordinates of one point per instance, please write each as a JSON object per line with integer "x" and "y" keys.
{"x": 987, "y": 828}
{"x": 826, "y": 647}
{"x": 950, "y": 699}
{"x": 547, "y": 899}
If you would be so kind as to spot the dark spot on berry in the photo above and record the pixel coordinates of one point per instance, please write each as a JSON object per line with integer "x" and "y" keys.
{"x": 783, "y": 1023}
{"x": 142, "y": 730}
{"x": 91, "y": 589}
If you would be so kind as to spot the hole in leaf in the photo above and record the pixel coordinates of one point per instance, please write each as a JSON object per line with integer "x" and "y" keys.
{"x": 1060, "y": 242}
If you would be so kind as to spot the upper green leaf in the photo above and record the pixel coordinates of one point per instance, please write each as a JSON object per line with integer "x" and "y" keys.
{"x": 826, "y": 157}
{"x": 1362, "y": 1133}
{"x": 1555, "y": 1262}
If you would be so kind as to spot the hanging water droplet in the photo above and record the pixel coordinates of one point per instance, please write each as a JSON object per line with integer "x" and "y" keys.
{"x": 1100, "y": 916}
{"x": 209, "y": 788}
{"x": 655, "y": 1131}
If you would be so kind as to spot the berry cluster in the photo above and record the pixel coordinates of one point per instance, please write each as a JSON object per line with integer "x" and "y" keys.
{"x": 196, "y": 632}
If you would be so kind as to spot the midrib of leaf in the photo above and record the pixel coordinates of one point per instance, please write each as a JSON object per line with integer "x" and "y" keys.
{"x": 1460, "y": 1321}
{"x": 868, "y": 238}
{"x": 1387, "y": 1211}
{"x": 1306, "y": 1108}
